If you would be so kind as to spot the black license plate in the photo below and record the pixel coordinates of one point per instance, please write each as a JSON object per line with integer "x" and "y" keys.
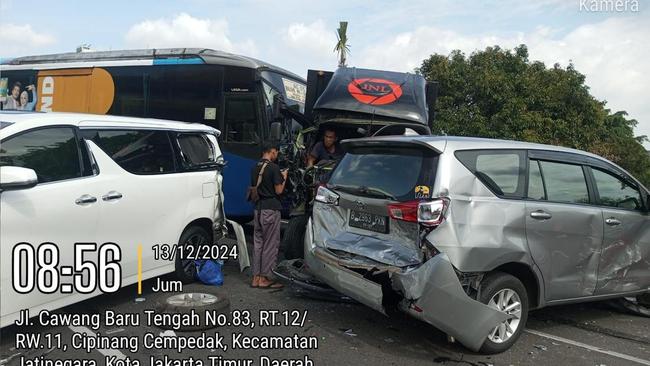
{"x": 368, "y": 221}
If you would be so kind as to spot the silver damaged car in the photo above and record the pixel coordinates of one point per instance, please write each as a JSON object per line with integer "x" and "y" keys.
{"x": 470, "y": 234}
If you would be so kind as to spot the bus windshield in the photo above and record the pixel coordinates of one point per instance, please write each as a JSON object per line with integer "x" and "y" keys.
{"x": 294, "y": 91}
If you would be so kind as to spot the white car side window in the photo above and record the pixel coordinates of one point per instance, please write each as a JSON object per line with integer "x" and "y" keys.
{"x": 52, "y": 152}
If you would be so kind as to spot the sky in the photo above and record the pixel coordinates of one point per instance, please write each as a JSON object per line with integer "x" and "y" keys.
{"x": 610, "y": 45}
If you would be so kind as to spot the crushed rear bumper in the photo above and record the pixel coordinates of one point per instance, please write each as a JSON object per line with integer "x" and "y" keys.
{"x": 431, "y": 292}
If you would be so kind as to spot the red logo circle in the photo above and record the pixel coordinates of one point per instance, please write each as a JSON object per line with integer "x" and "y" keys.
{"x": 374, "y": 91}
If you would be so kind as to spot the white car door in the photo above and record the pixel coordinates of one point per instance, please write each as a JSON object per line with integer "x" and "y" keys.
{"x": 143, "y": 200}
{"x": 62, "y": 209}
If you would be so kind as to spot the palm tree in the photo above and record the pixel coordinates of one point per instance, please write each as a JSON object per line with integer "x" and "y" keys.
{"x": 342, "y": 46}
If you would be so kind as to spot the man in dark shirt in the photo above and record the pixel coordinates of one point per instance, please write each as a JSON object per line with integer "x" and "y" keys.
{"x": 328, "y": 149}
{"x": 266, "y": 236}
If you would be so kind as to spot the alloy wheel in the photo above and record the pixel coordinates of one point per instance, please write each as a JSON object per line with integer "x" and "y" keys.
{"x": 506, "y": 301}
{"x": 192, "y": 299}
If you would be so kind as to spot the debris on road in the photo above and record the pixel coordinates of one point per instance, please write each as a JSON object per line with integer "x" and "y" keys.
{"x": 113, "y": 331}
{"x": 349, "y": 332}
{"x": 639, "y": 305}
{"x": 168, "y": 333}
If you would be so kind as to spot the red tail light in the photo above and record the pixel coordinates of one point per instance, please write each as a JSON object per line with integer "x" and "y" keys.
{"x": 405, "y": 211}
{"x": 427, "y": 213}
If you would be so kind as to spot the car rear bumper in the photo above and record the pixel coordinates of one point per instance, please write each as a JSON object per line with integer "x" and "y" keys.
{"x": 431, "y": 292}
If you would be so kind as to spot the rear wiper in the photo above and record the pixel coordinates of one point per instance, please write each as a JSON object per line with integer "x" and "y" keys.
{"x": 363, "y": 190}
{"x": 347, "y": 189}
{"x": 375, "y": 193}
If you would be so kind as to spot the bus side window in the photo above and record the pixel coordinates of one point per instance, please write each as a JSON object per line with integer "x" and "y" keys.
{"x": 241, "y": 120}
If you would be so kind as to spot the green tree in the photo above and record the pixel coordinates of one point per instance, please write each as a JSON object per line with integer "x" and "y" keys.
{"x": 342, "y": 47}
{"x": 499, "y": 93}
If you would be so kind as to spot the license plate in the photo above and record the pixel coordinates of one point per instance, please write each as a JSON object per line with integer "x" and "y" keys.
{"x": 368, "y": 221}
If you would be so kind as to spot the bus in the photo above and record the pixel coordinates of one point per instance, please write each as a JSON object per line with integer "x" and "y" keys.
{"x": 232, "y": 93}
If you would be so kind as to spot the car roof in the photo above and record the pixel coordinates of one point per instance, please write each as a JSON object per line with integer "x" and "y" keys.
{"x": 453, "y": 143}
{"x": 27, "y": 120}
{"x": 450, "y": 144}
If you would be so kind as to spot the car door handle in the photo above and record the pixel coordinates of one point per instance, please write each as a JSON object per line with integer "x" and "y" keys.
{"x": 612, "y": 221}
{"x": 85, "y": 199}
{"x": 540, "y": 215}
{"x": 112, "y": 196}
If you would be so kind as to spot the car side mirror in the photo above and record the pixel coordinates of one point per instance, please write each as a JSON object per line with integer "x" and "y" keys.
{"x": 14, "y": 178}
{"x": 276, "y": 131}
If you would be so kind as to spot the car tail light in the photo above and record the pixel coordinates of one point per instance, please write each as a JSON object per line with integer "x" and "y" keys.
{"x": 326, "y": 196}
{"x": 427, "y": 213}
{"x": 432, "y": 213}
{"x": 405, "y": 211}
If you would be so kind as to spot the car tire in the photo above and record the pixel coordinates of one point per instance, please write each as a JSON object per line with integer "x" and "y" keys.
{"x": 294, "y": 237}
{"x": 185, "y": 270}
{"x": 492, "y": 288}
{"x": 207, "y": 299}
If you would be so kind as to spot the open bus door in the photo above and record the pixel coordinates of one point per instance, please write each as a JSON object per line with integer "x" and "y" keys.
{"x": 242, "y": 134}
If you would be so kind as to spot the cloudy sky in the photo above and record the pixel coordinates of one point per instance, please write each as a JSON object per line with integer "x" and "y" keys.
{"x": 612, "y": 48}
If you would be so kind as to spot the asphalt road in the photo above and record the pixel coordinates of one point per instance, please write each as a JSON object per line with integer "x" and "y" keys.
{"x": 351, "y": 334}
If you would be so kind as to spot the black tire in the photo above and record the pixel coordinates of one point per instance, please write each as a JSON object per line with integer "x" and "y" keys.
{"x": 294, "y": 237}
{"x": 185, "y": 270}
{"x": 206, "y": 299}
{"x": 493, "y": 284}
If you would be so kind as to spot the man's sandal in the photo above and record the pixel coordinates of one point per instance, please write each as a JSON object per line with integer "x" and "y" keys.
{"x": 272, "y": 285}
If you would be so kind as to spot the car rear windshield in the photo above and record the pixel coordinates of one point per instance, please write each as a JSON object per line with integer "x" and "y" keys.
{"x": 400, "y": 174}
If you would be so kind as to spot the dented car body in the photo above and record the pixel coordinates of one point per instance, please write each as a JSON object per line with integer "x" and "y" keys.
{"x": 469, "y": 234}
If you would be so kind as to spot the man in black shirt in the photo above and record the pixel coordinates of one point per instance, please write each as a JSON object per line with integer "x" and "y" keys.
{"x": 266, "y": 236}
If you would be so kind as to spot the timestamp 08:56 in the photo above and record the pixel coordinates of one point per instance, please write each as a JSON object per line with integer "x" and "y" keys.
{"x": 94, "y": 267}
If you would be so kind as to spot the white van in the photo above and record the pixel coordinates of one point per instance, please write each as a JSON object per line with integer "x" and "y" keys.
{"x": 91, "y": 203}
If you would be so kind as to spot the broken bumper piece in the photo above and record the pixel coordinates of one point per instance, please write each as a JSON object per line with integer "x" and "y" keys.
{"x": 340, "y": 278}
{"x": 431, "y": 292}
{"x": 435, "y": 289}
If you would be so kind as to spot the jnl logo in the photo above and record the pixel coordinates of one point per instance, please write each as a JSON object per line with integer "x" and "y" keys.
{"x": 374, "y": 91}
{"x": 375, "y": 88}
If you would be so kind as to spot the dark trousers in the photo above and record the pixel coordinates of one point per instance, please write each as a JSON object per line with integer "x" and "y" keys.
{"x": 266, "y": 239}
